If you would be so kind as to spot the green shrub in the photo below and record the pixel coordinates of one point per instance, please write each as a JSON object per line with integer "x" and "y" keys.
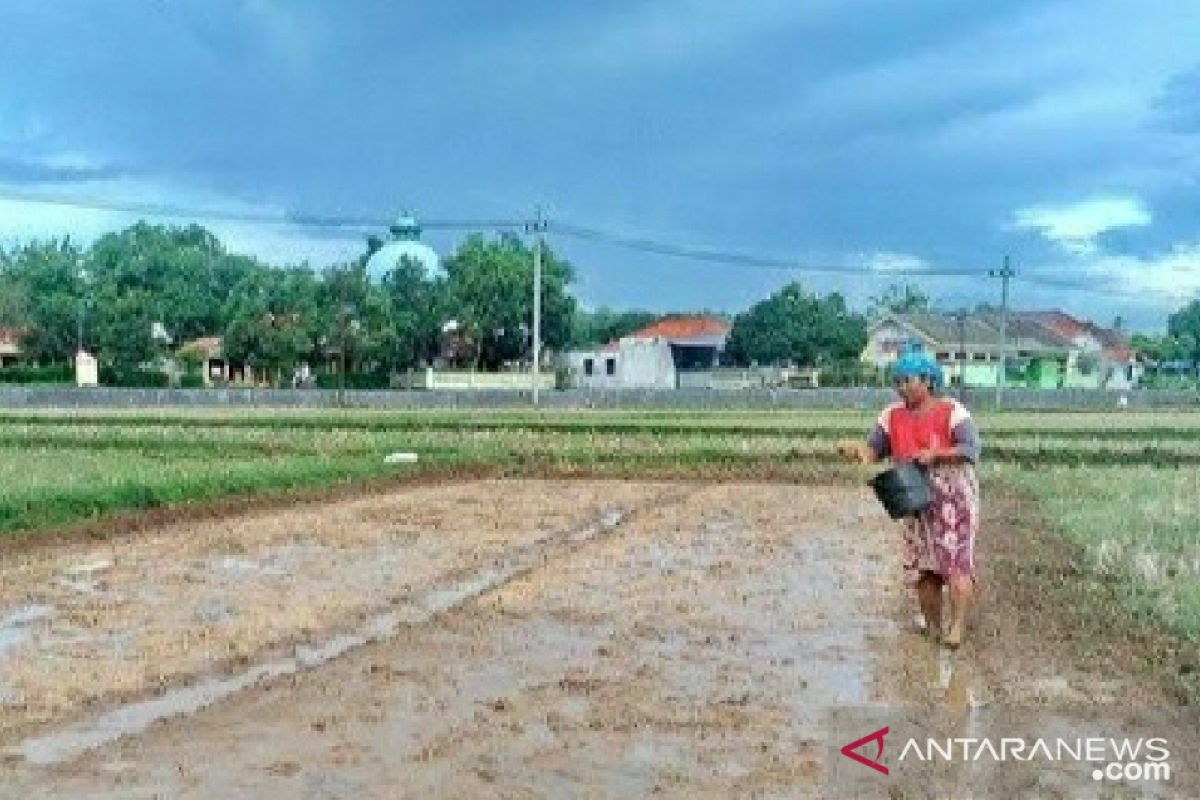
{"x": 55, "y": 373}
{"x": 134, "y": 378}
{"x": 849, "y": 373}
{"x": 354, "y": 380}
{"x": 191, "y": 381}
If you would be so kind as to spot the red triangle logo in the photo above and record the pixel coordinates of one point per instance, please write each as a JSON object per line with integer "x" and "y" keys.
{"x": 877, "y": 737}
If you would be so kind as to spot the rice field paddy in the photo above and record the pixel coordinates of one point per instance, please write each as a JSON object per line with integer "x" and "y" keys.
{"x": 695, "y": 555}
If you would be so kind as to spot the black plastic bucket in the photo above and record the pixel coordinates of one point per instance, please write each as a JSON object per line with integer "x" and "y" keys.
{"x": 904, "y": 490}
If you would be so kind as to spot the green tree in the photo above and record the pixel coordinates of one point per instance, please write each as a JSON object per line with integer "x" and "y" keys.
{"x": 14, "y": 302}
{"x": 1184, "y": 327}
{"x": 122, "y": 328}
{"x": 272, "y": 320}
{"x": 186, "y": 272}
{"x": 593, "y": 328}
{"x": 1160, "y": 348}
{"x": 48, "y": 290}
{"x": 899, "y": 298}
{"x": 793, "y": 326}
{"x": 344, "y": 298}
{"x": 415, "y": 306}
{"x": 489, "y": 288}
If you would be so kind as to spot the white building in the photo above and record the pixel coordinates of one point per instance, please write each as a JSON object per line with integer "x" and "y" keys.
{"x": 670, "y": 353}
{"x": 405, "y": 244}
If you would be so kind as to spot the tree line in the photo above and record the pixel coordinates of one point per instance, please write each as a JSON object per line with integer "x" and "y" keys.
{"x": 133, "y": 297}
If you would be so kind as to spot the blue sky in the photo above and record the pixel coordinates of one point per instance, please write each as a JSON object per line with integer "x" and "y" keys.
{"x": 920, "y": 135}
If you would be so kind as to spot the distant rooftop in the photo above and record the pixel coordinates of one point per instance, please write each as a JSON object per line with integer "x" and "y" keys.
{"x": 1025, "y": 330}
{"x": 679, "y": 328}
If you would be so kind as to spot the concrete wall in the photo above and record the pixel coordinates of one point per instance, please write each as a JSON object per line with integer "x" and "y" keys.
{"x": 646, "y": 364}
{"x": 12, "y": 397}
{"x": 459, "y": 380}
{"x": 599, "y": 379}
{"x": 639, "y": 364}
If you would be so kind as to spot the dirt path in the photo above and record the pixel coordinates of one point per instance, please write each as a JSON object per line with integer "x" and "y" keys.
{"x": 533, "y": 639}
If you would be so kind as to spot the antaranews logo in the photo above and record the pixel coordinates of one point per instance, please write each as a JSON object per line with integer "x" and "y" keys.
{"x": 1113, "y": 759}
{"x": 851, "y": 750}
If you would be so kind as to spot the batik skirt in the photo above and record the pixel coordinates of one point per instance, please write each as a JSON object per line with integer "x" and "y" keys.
{"x": 942, "y": 538}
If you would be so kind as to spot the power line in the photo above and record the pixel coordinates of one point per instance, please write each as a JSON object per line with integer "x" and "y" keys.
{"x": 742, "y": 259}
{"x": 355, "y": 226}
{"x": 169, "y": 210}
{"x": 359, "y": 224}
{"x": 348, "y": 222}
{"x": 739, "y": 259}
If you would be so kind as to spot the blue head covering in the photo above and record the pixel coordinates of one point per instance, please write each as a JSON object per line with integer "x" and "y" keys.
{"x": 915, "y": 362}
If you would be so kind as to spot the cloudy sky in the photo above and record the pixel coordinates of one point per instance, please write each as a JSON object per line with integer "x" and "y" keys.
{"x": 924, "y": 135}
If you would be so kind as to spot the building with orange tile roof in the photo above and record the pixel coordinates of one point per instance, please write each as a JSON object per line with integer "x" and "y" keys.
{"x": 661, "y": 355}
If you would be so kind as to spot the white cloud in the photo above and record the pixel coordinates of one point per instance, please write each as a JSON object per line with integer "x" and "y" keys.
{"x": 1170, "y": 278}
{"x": 1075, "y": 226}
{"x": 109, "y": 206}
{"x": 895, "y": 262}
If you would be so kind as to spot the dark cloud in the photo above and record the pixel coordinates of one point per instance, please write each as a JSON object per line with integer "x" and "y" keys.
{"x": 1179, "y": 103}
{"x": 818, "y": 130}
{"x": 21, "y": 172}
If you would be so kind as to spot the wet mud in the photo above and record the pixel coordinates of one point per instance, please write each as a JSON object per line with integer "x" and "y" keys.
{"x": 493, "y": 639}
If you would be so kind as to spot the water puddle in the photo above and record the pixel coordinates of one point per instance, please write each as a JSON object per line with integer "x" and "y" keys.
{"x": 15, "y": 626}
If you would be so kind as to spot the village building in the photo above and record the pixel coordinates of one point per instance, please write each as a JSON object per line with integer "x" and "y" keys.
{"x": 1040, "y": 349}
{"x": 674, "y": 352}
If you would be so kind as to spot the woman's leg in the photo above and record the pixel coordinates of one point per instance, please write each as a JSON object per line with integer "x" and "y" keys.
{"x": 929, "y": 594}
{"x": 962, "y": 592}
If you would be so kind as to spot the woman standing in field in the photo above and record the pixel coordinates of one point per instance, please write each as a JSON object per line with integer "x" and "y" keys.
{"x": 938, "y": 433}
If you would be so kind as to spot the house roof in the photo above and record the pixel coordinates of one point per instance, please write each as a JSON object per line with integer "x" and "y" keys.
{"x": 1058, "y": 321}
{"x": 1026, "y": 332}
{"x": 210, "y": 346}
{"x": 944, "y": 330}
{"x": 678, "y": 328}
{"x": 1032, "y": 331}
{"x": 1113, "y": 344}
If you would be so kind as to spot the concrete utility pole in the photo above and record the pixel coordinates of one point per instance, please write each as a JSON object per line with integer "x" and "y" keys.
{"x": 83, "y": 292}
{"x": 343, "y": 326}
{"x": 537, "y": 227}
{"x": 961, "y": 356}
{"x": 1004, "y": 273}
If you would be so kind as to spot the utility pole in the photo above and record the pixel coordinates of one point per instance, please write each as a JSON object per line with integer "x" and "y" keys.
{"x": 343, "y": 325}
{"x": 1004, "y": 273}
{"x": 537, "y": 227}
{"x": 83, "y": 291}
{"x": 961, "y": 356}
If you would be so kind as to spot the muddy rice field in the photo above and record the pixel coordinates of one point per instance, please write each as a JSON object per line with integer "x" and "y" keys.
{"x": 508, "y": 638}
